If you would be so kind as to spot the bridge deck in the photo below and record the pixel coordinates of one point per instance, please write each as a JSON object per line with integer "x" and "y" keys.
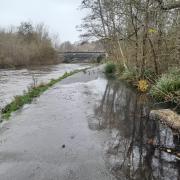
{"x": 84, "y": 56}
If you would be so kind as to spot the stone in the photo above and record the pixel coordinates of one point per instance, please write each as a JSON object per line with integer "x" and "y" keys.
{"x": 169, "y": 117}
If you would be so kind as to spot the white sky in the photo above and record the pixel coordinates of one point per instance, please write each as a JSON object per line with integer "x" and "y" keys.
{"x": 61, "y": 16}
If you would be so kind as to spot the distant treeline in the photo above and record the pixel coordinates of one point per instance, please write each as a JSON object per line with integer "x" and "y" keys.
{"x": 26, "y": 45}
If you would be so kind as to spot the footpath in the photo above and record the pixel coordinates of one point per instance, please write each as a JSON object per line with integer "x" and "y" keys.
{"x": 50, "y": 139}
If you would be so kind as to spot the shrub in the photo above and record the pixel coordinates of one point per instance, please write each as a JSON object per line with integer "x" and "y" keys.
{"x": 110, "y": 68}
{"x": 30, "y": 45}
{"x": 167, "y": 87}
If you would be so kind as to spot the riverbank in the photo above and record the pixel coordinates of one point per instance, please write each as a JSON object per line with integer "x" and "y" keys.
{"x": 14, "y": 82}
{"x": 164, "y": 89}
{"x": 33, "y": 92}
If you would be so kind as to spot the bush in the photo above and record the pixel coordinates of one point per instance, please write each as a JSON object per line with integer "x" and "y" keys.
{"x": 110, "y": 68}
{"x": 167, "y": 87}
{"x": 31, "y": 45}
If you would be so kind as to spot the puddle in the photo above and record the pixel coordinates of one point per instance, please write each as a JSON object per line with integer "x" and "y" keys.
{"x": 137, "y": 147}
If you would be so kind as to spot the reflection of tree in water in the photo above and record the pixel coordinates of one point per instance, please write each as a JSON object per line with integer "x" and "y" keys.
{"x": 131, "y": 152}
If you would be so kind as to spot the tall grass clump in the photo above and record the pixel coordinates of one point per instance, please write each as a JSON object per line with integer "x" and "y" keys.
{"x": 167, "y": 87}
{"x": 110, "y": 68}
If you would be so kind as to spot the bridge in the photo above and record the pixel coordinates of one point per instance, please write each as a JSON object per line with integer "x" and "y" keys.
{"x": 81, "y": 57}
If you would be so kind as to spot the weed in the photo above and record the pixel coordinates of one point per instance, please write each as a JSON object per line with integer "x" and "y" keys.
{"x": 167, "y": 87}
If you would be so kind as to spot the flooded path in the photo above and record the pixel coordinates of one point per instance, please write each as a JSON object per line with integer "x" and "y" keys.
{"x": 13, "y": 81}
{"x": 88, "y": 128}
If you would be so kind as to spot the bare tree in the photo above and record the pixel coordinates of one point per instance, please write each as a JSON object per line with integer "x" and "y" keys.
{"x": 141, "y": 34}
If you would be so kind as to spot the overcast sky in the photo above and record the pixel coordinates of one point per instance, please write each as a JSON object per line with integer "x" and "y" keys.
{"x": 61, "y": 16}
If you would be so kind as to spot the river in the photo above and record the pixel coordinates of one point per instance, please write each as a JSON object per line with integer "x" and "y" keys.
{"x": 14, "y": 81}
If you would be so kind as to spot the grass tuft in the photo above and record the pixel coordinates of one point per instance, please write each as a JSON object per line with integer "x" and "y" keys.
{"x": 167, "y": 87}
{"x": 110, "y": 68}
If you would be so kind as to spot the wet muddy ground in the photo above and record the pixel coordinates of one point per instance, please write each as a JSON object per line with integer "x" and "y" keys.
{"x": 88, "y": 127}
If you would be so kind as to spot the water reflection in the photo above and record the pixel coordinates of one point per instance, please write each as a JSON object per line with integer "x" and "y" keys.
{"x": 138, "y": 148}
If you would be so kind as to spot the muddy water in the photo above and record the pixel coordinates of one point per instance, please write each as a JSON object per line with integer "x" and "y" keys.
{"x": 136, "y": 147}
{"x": 14, "y": 82}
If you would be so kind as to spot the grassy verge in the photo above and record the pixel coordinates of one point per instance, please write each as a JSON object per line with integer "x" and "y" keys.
{"x": 29, "y": 95}
{"x": 167, "y": 87}
{"x": 163, "y": 88}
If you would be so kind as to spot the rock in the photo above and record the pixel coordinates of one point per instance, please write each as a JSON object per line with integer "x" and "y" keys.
{"x": 169, "y": 117}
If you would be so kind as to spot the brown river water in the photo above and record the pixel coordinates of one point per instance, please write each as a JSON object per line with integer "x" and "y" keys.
{"x": 13, "y": 81}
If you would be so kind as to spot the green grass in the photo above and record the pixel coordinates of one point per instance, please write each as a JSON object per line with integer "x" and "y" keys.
{"x": 28, "y": 96}
{"x": 167, "y": 87}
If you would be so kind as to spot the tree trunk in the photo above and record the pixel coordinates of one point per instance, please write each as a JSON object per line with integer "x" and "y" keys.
{"x": 102, "y": 17}
{"x": 154, "y": 57}
{"x": 145, "y": 36}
